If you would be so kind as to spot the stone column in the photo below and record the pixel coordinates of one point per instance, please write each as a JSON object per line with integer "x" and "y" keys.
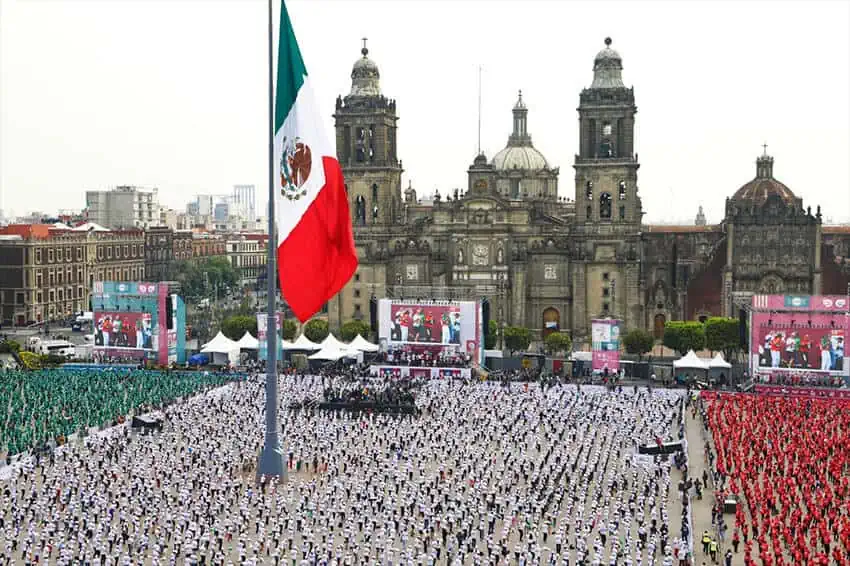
{"x": 817, "y": 283}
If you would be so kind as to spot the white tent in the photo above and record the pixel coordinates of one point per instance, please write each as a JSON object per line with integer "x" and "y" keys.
{"x": 329, "y": 353}
{"x": 690, "y": 361}
{"x": 248, "y": 342}
{"x": 719, "y": 363}
{"x": 331, "y": 341}
{"x": 362, "y": 344}
{"x": 301, "y": 343}
{"x": 221, "y": 344}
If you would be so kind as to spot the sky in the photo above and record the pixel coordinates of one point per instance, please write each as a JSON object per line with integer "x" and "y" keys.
{"x": 173, "y": 93}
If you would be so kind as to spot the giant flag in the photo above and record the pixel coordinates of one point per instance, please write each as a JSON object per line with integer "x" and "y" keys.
{"x": 315, "y": 245}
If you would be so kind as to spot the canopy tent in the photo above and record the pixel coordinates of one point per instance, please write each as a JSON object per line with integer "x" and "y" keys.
{"x": 301, "y": 343}
{"x": 690, "y": 361}
{"x": 329, "y": 353}
{"x": 221, "y": 344}
{"x": 248, "y": 342}
{"x": 719, "y": 363}
{"x": 331, "y": 341}
{"x": 360, "y": 343}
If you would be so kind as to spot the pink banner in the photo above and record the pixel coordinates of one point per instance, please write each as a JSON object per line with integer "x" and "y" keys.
{"x": 832, "y": 303}
{"x": 803, "y": 392}
{"x": 420, "y": 372}
{"x": 605, "y": 345}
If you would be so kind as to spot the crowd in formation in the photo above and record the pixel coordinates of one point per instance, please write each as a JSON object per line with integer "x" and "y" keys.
{"x": 49, "y": 405}
{"x": 790, "y": 460}
{"x": 487, "y": 474}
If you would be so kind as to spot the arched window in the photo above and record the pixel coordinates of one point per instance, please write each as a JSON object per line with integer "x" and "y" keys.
{"x": 606, "y": 129}
{"x": 605, "y": 205}
{"x": 622, "y": 212}
{"x": 589, "y": 211}
{"x": 622, "y": 187}
{"x": 589, "y": 190}
{"x": 551, "y": 321}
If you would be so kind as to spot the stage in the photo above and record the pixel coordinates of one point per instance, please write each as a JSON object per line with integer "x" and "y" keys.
{"x": 420, "y": 372}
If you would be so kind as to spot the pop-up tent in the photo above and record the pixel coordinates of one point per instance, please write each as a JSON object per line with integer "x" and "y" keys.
{"x": 301, "y": 343}
{"x": 222, "y": 349}
{"x": 331, "y": 341}
{"x": 690, "y": 361}
{"x": 360, "y": 343}
{"x": 329, "y": 353}
{"x": 248, "y": 342}
{"x": 719, "y": 363}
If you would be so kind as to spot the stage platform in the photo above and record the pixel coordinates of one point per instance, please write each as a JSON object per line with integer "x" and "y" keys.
{"x": 420, "y": 372}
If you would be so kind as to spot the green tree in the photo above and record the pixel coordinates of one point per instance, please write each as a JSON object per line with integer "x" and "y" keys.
{"x": 234, "y": 327}
{"x": 682, "y": 336}
{"x": 9, "y": 346}
{"x": 352, "y": 328}
{"x": 517, "y": 338}
{"x": 492, "y": 335}
{"x": 199, "y": 280}
{"x": 558, "y": 342}
{"x": 316, "y": 329}
{"x": 289, "y": 329}
{"x": 638, "y": 341}
{"x": 721, "y": 335}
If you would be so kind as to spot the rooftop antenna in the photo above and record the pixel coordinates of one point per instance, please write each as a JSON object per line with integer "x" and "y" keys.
{"x": 479, "y": 109}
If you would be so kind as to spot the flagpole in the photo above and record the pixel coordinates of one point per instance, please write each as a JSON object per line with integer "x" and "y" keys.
{"x": 271, "y": 457}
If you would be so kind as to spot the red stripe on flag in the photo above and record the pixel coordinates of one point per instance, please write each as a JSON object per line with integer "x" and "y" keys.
{"x": 318, "y": 257}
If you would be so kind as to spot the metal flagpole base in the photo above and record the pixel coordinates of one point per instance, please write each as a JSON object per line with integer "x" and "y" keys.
{"x": 271, "y": 464}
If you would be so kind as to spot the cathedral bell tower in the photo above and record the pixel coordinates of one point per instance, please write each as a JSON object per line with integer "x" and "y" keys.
{"x": 366, "y": 138}
{"x": 606, "y": 166}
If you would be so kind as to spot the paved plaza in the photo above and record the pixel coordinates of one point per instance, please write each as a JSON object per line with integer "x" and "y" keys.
{"x": 486, "y": 474}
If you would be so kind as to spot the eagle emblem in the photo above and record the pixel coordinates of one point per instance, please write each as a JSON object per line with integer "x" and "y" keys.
{"x": 296, "y": 161}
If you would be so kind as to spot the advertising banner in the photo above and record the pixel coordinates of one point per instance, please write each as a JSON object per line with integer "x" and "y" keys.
{"x": 829, "y": 303}
{"x": 420, "y": 372}
{"x": 605, "y": 345}
{"x": 803, "y": 392}
{"x": 262, "y": 326}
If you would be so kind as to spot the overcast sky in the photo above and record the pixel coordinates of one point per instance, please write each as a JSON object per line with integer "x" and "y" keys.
{"x": 172, "y": 93}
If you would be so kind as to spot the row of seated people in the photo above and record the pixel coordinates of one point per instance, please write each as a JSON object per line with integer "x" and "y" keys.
{"x": 424, "y": 358}
{"x": 802, "y": 379}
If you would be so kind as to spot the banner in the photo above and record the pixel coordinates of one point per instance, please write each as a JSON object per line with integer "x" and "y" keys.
{"x": 605, "y": 345}
{"x": 421, "y": 372}
{"x": 830, "y": 303}
{"x": 803, "y": 392}
{"x": 262, "y": 326}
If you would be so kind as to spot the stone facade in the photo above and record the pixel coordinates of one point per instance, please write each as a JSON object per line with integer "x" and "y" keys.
{"x": 547, "y": 262}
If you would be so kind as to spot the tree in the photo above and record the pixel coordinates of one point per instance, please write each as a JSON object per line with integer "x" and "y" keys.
{"x": 352, "y": 328}
{"x": 200, "y": 280}
{"x": 517, "y": 338}
{"x": 682, "y": 336}
{"x": 492, "y": 335}
{"x": 558, "y": 342}
{"x": 316, "y": 330}
{"x": 289, "y": 329}
{"x": 234, "y": 327}
{"x": 638, "y": 341}
{"x": 721, "y": 335}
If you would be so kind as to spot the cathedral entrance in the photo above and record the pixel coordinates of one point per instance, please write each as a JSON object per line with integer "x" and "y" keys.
{"x": 658, "y": 328}
{"x": 551, "y": 321}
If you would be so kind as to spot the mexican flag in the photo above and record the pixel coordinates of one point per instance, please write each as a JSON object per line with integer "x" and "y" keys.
{"x": 315, "y": 245}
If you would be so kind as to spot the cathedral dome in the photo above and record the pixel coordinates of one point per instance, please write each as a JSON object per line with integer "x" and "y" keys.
{"x": 519, "y": 153}
{"x": 365, "y": 77}
{"x": 607, "y": 68}
{"x": 519, "y": 157}
{"x": 764, "y": 186}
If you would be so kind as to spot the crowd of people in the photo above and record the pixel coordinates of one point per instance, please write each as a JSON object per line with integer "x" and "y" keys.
{"x": 355, "y": 390}
{"x": 424, "y": 357}
{"x": 788, "y": 459}
{"x": 49, "y": 405}
{"x": 486, "y": 474}
{"x": 800, "y": 378}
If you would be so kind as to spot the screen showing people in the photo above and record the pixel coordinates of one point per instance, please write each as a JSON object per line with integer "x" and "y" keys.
{"x": 123, "y": 330}
{"x": 802, "y": 348}
{"x": 424, "y": 324}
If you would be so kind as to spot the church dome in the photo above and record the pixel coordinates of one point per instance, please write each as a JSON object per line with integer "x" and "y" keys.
{"x": 764, "y": 186}
{"x": 519, "y": 157}
{"x": 365, "y": 77}
{"x": 519, "y": 153}
{"x": 608, "y": 68}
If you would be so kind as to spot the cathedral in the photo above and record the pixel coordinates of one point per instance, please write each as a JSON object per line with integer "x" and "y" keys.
{"x": 550, "y": 263}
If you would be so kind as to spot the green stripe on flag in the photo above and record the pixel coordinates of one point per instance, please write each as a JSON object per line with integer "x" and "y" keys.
{"x": 290, "y": 69}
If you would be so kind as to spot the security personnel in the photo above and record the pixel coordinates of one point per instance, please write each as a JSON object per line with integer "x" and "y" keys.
{"x": 712, "y": 549}
{"x": 706, "y": 539}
